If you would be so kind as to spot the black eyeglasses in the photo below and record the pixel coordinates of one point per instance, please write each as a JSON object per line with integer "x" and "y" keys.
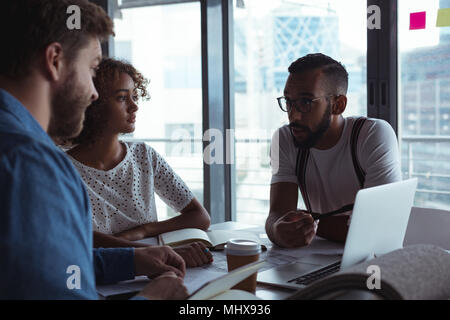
{"x": 302, "y": 105}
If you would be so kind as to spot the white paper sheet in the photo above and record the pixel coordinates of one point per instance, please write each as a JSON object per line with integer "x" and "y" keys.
{"x": 122, "y": 287}
{"x": 194, "y": 279}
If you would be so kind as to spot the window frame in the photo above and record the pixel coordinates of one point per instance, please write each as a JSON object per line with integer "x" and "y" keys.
{"x": 382, "y": 65}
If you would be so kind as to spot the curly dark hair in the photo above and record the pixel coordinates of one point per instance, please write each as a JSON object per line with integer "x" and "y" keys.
{"x": 108, "y": 70}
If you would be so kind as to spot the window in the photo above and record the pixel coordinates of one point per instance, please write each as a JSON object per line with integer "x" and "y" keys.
{"x": 164, "y": 43}
{"x": 424, "y": 103}
{"x": 268, "y": 36}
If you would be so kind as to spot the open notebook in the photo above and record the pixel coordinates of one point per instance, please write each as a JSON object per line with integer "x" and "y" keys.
{"x": 213, "y": 239}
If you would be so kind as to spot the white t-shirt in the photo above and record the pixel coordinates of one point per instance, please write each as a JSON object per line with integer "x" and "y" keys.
{"x": 331, "y": 180}
{"x": 124, "y": 197}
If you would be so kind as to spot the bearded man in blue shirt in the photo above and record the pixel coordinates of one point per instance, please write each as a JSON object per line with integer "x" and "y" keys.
{"x": 46, "y": 72}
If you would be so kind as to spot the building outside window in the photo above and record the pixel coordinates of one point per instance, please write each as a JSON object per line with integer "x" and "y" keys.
{"x": 424, "y": 96}
{"x": 268, "y": 37}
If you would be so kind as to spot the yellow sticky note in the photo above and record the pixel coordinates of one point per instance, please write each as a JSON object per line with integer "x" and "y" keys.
{"x": 443, "y": 18}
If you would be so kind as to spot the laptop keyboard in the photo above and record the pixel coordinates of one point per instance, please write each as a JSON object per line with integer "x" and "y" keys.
{"x": 318, "y": 274}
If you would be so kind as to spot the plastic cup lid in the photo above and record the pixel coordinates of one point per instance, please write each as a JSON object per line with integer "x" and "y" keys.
{"x": 242, "y": 247}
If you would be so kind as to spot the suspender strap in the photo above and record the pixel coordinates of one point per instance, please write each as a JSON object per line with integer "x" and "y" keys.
{"x": 354, "y": 146}
{"x": 300, "y": 171}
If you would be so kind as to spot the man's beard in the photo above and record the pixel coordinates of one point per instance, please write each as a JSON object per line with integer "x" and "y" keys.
{"x": 313, "y": 137}
{"x": 67, "y": 110}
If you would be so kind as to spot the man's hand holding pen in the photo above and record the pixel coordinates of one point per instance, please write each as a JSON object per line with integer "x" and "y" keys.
{"x": 295, "y": 229}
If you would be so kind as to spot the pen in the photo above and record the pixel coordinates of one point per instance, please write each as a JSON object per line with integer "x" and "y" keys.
{"x": 317, "y": 216}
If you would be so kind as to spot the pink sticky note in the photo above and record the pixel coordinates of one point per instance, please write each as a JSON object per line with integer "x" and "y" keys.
{"x": 417, "y": 20}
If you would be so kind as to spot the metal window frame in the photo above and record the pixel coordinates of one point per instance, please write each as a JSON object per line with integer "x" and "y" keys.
{"x": 219, "y": 198}
{"x": 382, "y": 65}
{"x": 109, "y": 6}
{"x": 147, "y": 3}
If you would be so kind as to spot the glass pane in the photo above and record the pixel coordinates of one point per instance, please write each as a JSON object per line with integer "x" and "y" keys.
{"x": 424, "y": 97}
{"x": 164, "y": 43}
{"x": 268, "y": 36}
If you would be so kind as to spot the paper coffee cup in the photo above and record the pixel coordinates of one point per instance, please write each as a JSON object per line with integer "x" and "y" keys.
{"x": 241, "y": 252}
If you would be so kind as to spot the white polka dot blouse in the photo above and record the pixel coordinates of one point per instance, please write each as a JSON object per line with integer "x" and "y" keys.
{"x": 124, "y": 197}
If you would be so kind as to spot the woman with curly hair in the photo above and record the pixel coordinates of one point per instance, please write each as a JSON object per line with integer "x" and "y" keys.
{"x": 123, "y": 177}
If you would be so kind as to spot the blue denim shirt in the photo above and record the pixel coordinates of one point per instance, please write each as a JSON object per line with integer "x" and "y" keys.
{"x": 46, "y": 249}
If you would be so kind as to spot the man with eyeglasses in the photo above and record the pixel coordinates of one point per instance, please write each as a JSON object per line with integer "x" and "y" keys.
{"x": 328, "y": 157}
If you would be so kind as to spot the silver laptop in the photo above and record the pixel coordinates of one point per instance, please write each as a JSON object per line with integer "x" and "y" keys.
{"x": 378, "y": 226}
